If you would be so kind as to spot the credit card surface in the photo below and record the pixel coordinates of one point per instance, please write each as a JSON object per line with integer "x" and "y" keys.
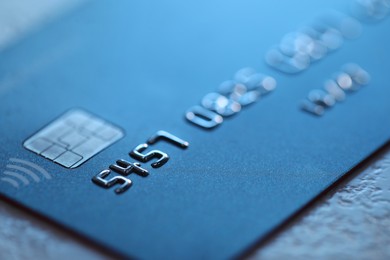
{"x": 171, "y": 129}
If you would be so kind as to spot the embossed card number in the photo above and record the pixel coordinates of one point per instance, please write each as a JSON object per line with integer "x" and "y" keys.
{"x": 246, "y": 88}
{"x": 124, "y": 168}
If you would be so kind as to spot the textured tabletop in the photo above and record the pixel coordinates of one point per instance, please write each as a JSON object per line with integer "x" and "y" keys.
{"x": 350, "y": 222}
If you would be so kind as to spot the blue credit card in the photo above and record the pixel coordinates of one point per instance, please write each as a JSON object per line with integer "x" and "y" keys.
{"x": 191, "y": 129}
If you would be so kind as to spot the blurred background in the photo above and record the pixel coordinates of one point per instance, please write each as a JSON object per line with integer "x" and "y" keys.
{"x": 351, "y": 222}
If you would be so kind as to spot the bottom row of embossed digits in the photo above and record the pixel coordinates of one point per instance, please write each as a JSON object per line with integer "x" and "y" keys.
{"x": 351, "y": 78}
{"x": 246, "y": 88}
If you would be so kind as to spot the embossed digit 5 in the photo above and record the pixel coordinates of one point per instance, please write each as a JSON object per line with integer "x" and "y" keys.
{"x": 100, "y": 180}
{"x": 137, "y": 154}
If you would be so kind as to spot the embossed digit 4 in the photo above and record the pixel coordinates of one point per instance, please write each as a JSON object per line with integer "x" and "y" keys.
{"x": 100, "y": 180}
{"x": 125, "y": 168}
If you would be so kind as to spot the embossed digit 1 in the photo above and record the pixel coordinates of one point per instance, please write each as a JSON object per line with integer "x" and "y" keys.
{"x": 100, "y": 180}
{"x": 138, "y": 155}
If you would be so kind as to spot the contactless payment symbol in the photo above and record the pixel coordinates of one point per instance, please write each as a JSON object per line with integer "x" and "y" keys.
{"x": 73, "y": 138}
{"x": 19, "y": 173}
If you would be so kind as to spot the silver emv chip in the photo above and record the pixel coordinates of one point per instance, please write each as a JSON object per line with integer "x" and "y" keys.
{"x": 73, "y": 138}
